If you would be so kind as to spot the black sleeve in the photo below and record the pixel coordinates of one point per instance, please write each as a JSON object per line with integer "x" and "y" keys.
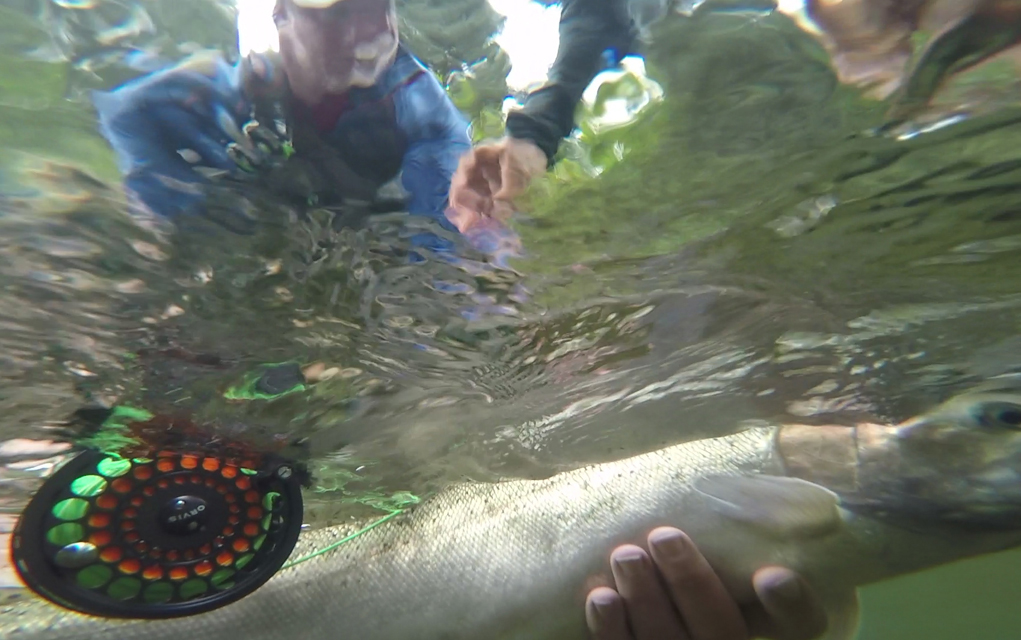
{"x": 587, "y": 29}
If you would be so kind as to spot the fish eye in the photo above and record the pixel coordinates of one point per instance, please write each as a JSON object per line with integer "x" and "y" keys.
{"x": 1001, "y": 414}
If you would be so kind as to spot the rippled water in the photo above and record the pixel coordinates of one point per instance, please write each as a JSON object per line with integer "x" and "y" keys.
{"x": 760, "y": 253}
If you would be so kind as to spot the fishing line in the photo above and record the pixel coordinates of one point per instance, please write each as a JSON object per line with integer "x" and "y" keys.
{"x": 347, "y": 538}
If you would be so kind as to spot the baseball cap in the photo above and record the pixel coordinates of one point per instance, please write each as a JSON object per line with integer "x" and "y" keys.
{"x": 316, "y": 4}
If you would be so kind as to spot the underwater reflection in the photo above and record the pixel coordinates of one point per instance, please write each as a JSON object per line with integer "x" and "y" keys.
{"x": 727, "y": 228}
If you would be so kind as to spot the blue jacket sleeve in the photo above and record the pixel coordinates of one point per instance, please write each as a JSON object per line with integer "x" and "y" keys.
{"x": 190, "y": 106}
{"x": 437, "y": 136}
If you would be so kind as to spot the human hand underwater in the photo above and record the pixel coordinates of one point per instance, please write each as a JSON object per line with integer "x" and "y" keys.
{"x": 676, "y": 595}
{"x": 489, "y": 177}
{"x": 199, "y": 105}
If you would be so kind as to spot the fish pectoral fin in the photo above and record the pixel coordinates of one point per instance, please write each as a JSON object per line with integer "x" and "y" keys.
{"x": 841, "y": 616}
{"x": 781, "y": 507}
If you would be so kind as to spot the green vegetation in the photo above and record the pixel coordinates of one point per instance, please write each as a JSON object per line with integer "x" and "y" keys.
{"x": 454, "y": 37}
{"x": 741, "y": 105}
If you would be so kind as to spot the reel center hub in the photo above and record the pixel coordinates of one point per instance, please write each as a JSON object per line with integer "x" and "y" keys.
{"x": 184, "y": 515}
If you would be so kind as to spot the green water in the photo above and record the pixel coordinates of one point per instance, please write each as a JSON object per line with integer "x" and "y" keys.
{"x": 972, "y": 599}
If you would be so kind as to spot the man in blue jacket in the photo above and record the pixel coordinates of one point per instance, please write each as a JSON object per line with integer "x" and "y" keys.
{"x": 360, "y": 108}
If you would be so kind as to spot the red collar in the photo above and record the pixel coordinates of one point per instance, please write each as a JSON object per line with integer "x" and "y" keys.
{"x": 325, "y": 114}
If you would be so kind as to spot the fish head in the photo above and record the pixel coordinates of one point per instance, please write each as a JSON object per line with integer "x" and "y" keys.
{"x": 958, "y": 464}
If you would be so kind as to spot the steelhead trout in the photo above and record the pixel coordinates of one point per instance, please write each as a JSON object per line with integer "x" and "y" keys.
{"x": 845, "y": 506}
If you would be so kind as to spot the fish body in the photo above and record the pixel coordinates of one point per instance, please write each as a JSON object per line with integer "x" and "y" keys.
{"x": 513, "y": 560}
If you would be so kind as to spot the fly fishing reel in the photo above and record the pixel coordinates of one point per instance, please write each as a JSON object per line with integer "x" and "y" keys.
{"x": 170, "y": 535}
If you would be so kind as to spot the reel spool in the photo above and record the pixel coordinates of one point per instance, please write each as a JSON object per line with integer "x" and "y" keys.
{"x": 170, "y": 536}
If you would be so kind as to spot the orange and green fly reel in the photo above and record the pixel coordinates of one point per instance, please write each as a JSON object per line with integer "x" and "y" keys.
{"x": 171, "y": 535}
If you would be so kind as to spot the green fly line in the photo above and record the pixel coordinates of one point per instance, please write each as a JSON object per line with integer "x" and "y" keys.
{"x": 343, "y": 540}
{"x": 247, "y": 390}
{"x": 113, "y": 435}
